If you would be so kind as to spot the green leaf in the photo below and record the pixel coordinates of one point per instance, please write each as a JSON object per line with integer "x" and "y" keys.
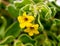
{"x": 53, "y": 43}
{"x": 13, "y": 11}
{"x": 56, "y": 25}
{"x": 24, "y": 9}
{"x": 40, "y": 39}
{"x": 47, "y": 43}
{"x": 7, "y": 40}
{"x": 26, "y": 39}
{"x": 13, "y": 30}
{"x": 18, "y": 43}
{"x": 47, "y": 24}
{"x": 59, "y": 44}
{"x": 28, "y": 44}
{"x": 53, "y": 9}
{"x": 58, "y": 37}
{"x": 47, "y": 12}
{"x": 37, "y": 1}
{"x": 2, "y": 27}
{"x": 3, "y": 45}
{"x": 11, "y": 1}
{"x": 57, "y": 21}
{"x": 21, "y": 4}
{"x": 52, "y": 36}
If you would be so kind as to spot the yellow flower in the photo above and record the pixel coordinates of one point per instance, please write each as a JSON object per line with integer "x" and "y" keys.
{"x": 25, "y": 19}
{"x": 32, "y": 29}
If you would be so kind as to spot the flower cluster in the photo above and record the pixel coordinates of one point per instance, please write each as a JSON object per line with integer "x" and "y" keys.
{"x": 26, "y": 21}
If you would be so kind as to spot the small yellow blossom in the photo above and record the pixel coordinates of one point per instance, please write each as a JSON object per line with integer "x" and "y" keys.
{"x": 32, "y": 29}
{"x": 23, "y": 25}
{"x": 25, "y": 19}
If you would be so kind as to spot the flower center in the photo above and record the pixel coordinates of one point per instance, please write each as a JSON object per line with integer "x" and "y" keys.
{"x": 31, "y": 27}
{"x": 25, "y": 19}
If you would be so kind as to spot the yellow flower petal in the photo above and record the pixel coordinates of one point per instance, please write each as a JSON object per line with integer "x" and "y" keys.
{"x": 22, "y": 25}
{"x": 36, "y": 26}
{"x": 20, "y": 19}
{"x": 30, "y": 18}
{"x": 28, "y": 24}
{"x": 25, "y": 20}
{"x": 32, "y": 29}
{"x": 27, "y": 30}
{"x": 36, "y": 32}
{"x": 30, "y": 33}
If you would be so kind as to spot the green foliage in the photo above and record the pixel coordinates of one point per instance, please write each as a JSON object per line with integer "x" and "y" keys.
{"x": 46, "y": 14}
{"x": 13, "y": 30}
{"x": 26, "y": 39}
{"x": 2, "y": 28}
{"x": 3, "y": 45}
{"x": 22, "y": 3}
{"x": 37, "y": 1}
{"x": 13, "y": 11}
{"x": 7, "y": 40}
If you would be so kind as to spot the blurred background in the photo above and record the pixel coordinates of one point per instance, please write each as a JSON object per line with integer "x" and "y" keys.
{"x": 10, "y": 18}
